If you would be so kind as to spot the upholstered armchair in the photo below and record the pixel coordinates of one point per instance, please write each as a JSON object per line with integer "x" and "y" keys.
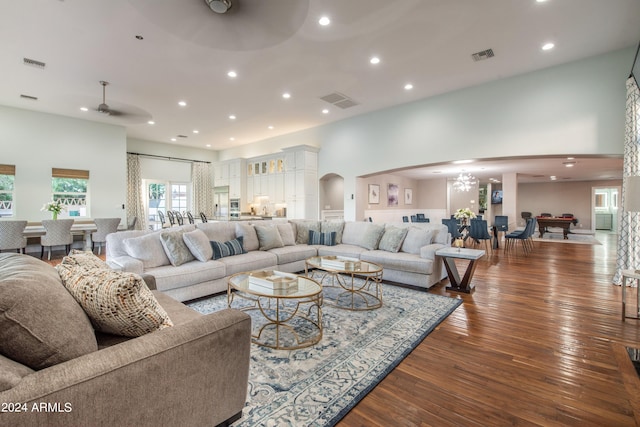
{"x": 12, "y": 235}
{"x": 105, "y": 226}
{"x": 57, "y": 233}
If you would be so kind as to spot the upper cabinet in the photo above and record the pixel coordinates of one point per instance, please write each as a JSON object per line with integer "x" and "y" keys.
{"x": 231, "y": 173}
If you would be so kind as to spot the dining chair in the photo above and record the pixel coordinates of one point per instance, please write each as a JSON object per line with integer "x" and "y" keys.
{"x": 104, "y": 226}
{"x": 179, "y": 218}
{"x": 172, "y": 218}
{"x": 161, "y": 218}
{"x": 405, "y": 219}
{"x": 131, "y": 223}
{"x": 452, "y": 226}
{"x": 57, "y": 233}
{"x": 478, "y": 231}
{"x": 421, "y": 218}
{"x": 501, "y": 222}
{"x": 203, "y": 217}
{"x": 546, "y": 214}
{"x": 524, "y": 236}
{"x": 414, "y": 218}
{"x": 190, "y": 218}
{"x": 12, "y": 235}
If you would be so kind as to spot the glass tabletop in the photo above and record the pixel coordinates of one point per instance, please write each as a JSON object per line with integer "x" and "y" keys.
{"x": 298, "y": 287}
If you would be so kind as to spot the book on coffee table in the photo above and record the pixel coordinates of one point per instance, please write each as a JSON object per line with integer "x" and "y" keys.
{"x": 340, "y": 262}
{"x": 272, "y": 280}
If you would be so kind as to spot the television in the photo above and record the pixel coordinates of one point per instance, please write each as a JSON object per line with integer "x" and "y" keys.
{"x": 496, "y": 197}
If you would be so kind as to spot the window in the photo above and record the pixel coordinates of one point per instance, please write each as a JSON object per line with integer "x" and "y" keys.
{"x": 70, "y": 187}
{"x": 7, "y": 177}
{"x": 166, "y": 196}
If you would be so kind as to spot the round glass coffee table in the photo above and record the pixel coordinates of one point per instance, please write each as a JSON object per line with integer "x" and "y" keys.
{"x": 284, "y": 319}
{"x": 347, "y": 282}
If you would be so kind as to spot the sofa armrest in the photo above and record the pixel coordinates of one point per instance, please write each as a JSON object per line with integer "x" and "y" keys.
{"x": 126, "y": 263}
{"x": 191, "y": 374}
{"x": 429, "y": 251}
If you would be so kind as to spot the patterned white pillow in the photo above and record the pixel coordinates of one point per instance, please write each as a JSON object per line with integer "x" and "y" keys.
{"x": 117, "y": 302}
{"x": 177, "y": 251}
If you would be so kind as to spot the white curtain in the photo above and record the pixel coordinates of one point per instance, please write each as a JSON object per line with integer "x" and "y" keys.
{"x": 135, "y": 201}
{"x": 628, "y": 255}
{"x": 202, "y": 188}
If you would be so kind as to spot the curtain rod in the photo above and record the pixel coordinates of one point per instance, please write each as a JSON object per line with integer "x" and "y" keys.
{"x": 168, "y": 158}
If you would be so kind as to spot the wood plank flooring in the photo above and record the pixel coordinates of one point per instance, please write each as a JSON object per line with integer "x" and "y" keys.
{"x": 539, "y": 342}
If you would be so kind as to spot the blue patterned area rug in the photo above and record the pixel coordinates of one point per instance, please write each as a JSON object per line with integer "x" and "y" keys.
{"x": 318, "y": 385}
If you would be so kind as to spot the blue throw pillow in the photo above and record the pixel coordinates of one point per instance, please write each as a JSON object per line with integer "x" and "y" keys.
{"x": 326, "y": 239}
{"x": 223, "y": 249}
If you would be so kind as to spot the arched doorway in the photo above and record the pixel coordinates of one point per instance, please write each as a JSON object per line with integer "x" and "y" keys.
{"x": 331, "y": 197}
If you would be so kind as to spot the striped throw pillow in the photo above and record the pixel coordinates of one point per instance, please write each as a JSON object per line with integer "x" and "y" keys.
{"x": 326, "y": 239}
{"x": 223, "y": 249}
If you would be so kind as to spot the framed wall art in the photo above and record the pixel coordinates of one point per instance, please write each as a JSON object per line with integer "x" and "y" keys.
{"x": 408, "y": 196}
{"x": 374, "y": 193}
{"x": 392, "y": 195}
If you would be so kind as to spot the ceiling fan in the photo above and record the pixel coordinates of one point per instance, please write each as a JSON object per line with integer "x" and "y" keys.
{"x": 104, "y": 108}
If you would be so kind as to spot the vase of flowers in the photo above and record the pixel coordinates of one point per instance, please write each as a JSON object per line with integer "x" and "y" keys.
{"x": 55, "y": 207}
{"x": 464, "y": 214}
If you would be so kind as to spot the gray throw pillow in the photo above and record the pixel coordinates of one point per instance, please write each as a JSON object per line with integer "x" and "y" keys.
{"x": 392, "y": 239}
{"x": 249, "y": 237}
{"x": 198, "y": 244}
{"x": 177, "y": 251}
{"x": 286, "y": 233}
{"x": 148, "y": 249}
{"x": 269, "y": 237}
{"x": 302, "y": 230}
{"x": 415, "y": 239}
{"x": 372, "y": 237}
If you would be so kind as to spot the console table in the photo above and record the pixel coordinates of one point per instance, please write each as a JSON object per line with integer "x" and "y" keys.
{"x": 633, "y": 275}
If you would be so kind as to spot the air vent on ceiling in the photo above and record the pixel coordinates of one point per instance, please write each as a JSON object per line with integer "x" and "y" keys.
{"x": 182, "y": 136}
{"x": 482, "y": 55}
{"x": 29, "y": 97}
{"x": 34, "y": 63}
{"x": 339, "y": 100}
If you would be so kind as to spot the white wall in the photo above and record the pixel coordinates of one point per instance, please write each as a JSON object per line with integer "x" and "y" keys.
{"x": 576, "y": 108}
{"x": 37, "y": 142}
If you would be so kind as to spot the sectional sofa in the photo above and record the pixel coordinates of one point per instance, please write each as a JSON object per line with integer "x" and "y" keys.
{"x": 193, "y": 261}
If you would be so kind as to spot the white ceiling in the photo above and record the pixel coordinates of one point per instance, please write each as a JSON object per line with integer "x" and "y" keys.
{"x": 276, "y": 47}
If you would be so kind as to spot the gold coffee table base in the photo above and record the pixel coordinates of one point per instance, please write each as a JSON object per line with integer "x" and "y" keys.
{"x": 282, "y": 315}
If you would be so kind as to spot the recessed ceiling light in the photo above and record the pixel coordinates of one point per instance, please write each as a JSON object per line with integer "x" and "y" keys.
{"x": 553, "y": 177}
{"x": 232, "y": 117}
{"x": 286, "y": 95}
{"x": 232, "y": 139}
{"x": 173, "y": 140}
{"x": 374, "y": 60}
{"x": 408, "y": 86}
{"x": 324, "y": 21}
{"x": 570, "y": 158}
{"x": 232, "y": 74}
{"x": 325, "y": 111}
{"x": 548, "y": 46}
{"x": 151, "y": 122}
{"x": 182, "y": 103}
{"x": 461, "y": 162}
{"x": 196, "y": 131}
{"x": 270, "y": 127}
{"x": 541, "y": 1}
{"x": 84, "y": 109}
{"x": 208, "y": 145}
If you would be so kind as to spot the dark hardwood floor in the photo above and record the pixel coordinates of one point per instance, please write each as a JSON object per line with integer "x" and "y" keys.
{"x": 539, "y": 342}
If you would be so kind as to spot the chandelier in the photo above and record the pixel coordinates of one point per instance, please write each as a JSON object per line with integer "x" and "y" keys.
{"x": 464, "y": 182}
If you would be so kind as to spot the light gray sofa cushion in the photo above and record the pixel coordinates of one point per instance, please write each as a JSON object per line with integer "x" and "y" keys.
{"x": 351, "y": 251}
{"x": 175, "y": 247}
{"x": 253, "y": 260}
{"x": 399, "y": 261}
{"x": 289, "y": 254}
{"x": 192, "y": 273}
{"x": 364, "y": 234}
{"x": 392, "y": 239}
{"x": 417, "y": 238}
{"x": 199, "y": 244}
{"x": 331, "y": 226}
{"x": 269, "y": 237}
{"x": 148, "y": 249}
{"x": 250, "y": 240}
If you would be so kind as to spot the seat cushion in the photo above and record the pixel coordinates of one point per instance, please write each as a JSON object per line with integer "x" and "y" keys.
{"x": 192, "y": 273}
{"x": 254, "y": 260}
{"x": 351, "y": 251}
{"x": 399, "y": 261}
{"x": 289, "y": 254}
{"x": 40, "y": 323}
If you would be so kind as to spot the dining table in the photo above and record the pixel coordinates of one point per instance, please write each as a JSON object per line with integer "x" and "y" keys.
{"x": 78, "y": 228}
